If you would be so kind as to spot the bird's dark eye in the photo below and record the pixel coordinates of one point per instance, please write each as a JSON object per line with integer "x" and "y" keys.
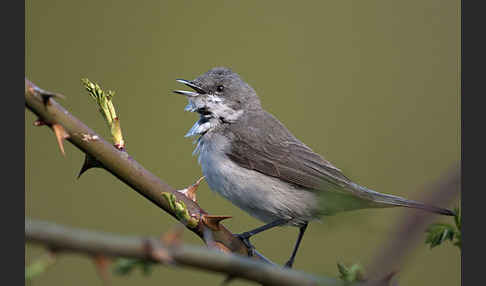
{"x": 220, "y": 88}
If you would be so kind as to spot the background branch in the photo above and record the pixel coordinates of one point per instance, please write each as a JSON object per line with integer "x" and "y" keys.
{"x": 409, "y": 230}
{"x": 64, "y": 239}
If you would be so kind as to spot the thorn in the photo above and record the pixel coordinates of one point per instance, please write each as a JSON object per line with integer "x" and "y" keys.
{"x": 46, "y": 95}
{"x": 33, "y": 89}
{"x": 190, "y": 192}
{"x": 173, "y": 237}
{"x": 213, "y": 221}
{"x": 89, "y": 162}
{"x": 102, "y": 264}
{"x": 61, "y": 134}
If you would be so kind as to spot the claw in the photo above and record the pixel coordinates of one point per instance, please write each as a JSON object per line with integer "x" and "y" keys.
{"x": 245, "y": 238}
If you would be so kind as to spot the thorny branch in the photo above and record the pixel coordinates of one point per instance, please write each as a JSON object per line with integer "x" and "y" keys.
{"x": 129, "y": 171}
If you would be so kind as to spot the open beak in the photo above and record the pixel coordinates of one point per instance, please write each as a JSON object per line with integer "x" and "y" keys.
{"x": 198, "y": 90}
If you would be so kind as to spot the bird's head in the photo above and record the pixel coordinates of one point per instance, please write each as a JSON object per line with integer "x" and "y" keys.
{"x": 219, "y": 94}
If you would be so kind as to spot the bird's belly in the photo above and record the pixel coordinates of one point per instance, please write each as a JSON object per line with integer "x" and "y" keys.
{"x": 263, "y": 197}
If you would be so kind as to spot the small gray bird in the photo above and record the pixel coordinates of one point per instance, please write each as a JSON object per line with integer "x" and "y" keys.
{"x": 251, "y": 159}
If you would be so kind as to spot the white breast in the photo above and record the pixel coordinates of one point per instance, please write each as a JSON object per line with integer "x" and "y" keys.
{"x": 263, "y": 197}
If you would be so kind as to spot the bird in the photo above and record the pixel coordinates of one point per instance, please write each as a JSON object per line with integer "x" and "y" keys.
{"x": 250, "y": 158}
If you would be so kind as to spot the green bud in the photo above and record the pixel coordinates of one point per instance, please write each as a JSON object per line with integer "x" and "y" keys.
{"x": 180, "y": 210}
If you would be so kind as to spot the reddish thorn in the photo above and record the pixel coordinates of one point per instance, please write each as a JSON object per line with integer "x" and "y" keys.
{"x": 61, "y": 134}
{"x": 190, "y": 192}
{"x": 102, "y": 264}
{"x": 213, "y": 221}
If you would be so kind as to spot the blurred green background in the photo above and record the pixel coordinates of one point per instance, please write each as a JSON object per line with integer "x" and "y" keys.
{"x": 373, "y": 86}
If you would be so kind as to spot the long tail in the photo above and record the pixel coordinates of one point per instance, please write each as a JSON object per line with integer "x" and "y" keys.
{"x": 391, "y": 200}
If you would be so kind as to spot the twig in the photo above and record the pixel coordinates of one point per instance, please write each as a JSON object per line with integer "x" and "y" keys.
{"x": 66, "y": 239}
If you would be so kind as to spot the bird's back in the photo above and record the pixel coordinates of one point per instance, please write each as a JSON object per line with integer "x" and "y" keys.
{"x": 274, "y": 151}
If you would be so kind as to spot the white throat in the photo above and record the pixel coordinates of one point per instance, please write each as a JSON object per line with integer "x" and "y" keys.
{"x": 219, "y": 112}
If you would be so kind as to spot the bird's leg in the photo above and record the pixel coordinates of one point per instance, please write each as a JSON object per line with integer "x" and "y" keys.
{"x": 245, "y": 236}
{"x": 296, "y": 247}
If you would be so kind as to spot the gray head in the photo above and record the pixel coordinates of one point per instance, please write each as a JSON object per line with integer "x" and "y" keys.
{"x": 219, "y": 94}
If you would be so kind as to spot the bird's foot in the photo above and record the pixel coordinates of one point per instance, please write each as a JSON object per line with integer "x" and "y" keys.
{"x": 245, "y": 238}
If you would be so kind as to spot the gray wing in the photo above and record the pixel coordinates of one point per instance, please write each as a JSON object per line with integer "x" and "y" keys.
{"x": 263, "y": 144}
{"x": 274, "y": 151}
